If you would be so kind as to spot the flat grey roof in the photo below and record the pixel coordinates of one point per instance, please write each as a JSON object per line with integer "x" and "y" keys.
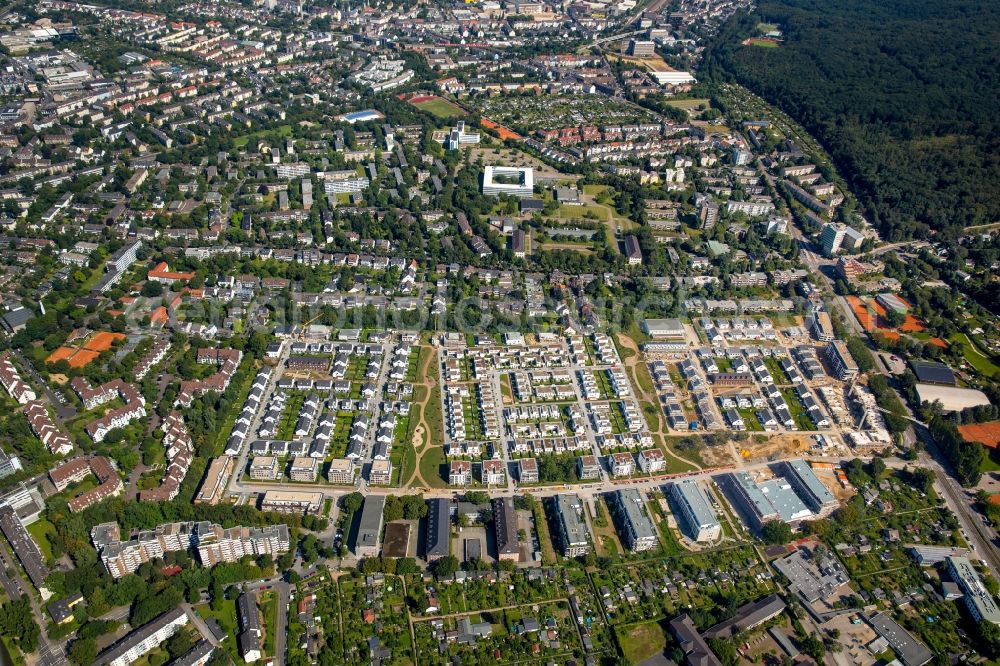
{"x": 25, "y": 549}
{"x": 785, "y": 501}
{"x": 911, "y": 651}
{"x": 570, "y": 519}
{"x": 747, "y": 616}
{"x": 805, "y": 474}
{"x": 631, "y": 503}
{"x": 757, "y": 499}
{"x": 689, "y": 493}
{"x": 370, "y": 524}
{"x": 975, "y": 591}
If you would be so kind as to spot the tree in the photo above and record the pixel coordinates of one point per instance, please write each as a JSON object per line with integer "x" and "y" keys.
{"x": 776, "y": 532}
{"x": 813, "y": 647}
{"x": 152, "y": 289}
{"x": 352, "y": 502}
{"x": 83, "y": 651}
{"x": 477, "y": 497}
{"x": 725, "y": 651}
{"x": 445, "y": 566}
{"x": 877, "y": 468}
{"x": 258, "y": 342}
{"x": 218, "y": 595}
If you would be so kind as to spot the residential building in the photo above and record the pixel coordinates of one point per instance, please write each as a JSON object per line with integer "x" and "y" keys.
{"x": 698, "y": 519}
{"x": 622, "y": 464}
{"x": 438, "y": 529}
{"x": 212, "y": 543}
{"x": 264, "y": 468}
{"x": 460, "y": 473}
{"x": 527, "y": 470}
{"x": 380, "y": 473}
{"x": 505, "y": 529}
{"x": 369, "y": 535}
{"x": 24, "y": 547}
{"x": 652, "y": 461}
{"x": 147, "y": 637}
{"x": 250, "y": 638}
{"x": 822, "y": 326}
{"x": 9, "y": 464}
{"x": 11, "y": 380}
{"x": 215, "y": 544}
{"x": 213, "y": 486}
{"x": 37, "y": 413}
{"x": 303, "y": 468}
{"x": 981, "y": 604}
{"x": 494, "y": 472}
{"x": 588, "y": 467}
{"x": 341, "y": 471}
{"x": 572, "y": 527}
{"x": 73, "y": 471}
{"x": 634, "y": 524}
{"x": 844, "y": 367}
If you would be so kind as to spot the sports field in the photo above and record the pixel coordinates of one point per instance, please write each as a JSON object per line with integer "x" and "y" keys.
{"x": 763, "y": 42}
{"x": 437, "y": 106}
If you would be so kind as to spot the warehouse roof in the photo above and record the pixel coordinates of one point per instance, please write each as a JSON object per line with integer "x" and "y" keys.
{"x": 932, "y": 372}
{"x": 953, "y": 398}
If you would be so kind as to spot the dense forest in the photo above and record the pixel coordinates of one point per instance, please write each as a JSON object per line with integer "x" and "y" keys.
{"x": 904, "y": 95}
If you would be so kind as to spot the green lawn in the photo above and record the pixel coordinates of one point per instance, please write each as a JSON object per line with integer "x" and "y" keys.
{"x": 269, "y": 611}
{"x": 991, "y": 461}
{"x": 689, "y": 104}
{"x": 975, "y": 357}
{"x": 38, "y": 531}
{"x": 434, "y": 418}
{"x": 431, "y": 464}
{"x": 226, "y": 617}
{"x": 242, "y": 141}
{"x": 441, "y": 108}
{"x": 641, "y": 641}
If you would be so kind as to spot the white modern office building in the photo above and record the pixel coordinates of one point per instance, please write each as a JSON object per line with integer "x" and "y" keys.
{"x": 515, "y": 181}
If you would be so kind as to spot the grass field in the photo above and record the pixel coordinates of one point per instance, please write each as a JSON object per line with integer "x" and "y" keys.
{"x": 38, "y": 531}
{"x": 226, "y": 617}
{"x": 440, "y": 108}
{"x": 991, "y": 462}
{"x": 431, "y": 463}
{"x": 975, "y": 357}
{"x": 641, "y": 641}
{"x": 242, "y": 141}
{"x": 577, "y": 247}
{"x": 689, "y": 104}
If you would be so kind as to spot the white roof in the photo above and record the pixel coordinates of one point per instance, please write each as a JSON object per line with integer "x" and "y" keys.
{"x": 953, "y": 398}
